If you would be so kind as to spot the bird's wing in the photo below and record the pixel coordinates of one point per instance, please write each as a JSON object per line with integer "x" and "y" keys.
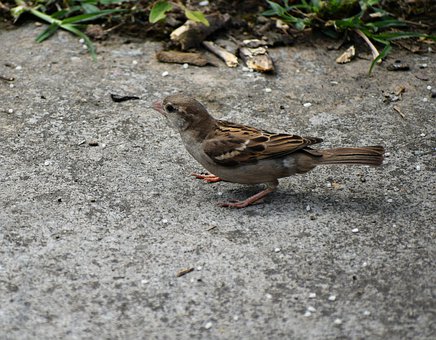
{"x": 232, "y": 144}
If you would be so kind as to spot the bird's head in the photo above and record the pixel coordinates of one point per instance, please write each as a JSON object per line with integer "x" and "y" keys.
{"x": 183, "y": 112}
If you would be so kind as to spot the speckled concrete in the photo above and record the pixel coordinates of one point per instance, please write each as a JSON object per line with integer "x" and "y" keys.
{"x": 92, "y": 237}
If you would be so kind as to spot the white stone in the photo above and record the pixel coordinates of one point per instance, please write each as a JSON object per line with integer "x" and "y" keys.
{"x": 337, "y": 321}
{"x": 307, "y": 104}
{"x": 312, "y": 295}
{"x": 268, "y": 90}
{"x": 332, "y": 297}
{"x": 208, "y": 325}
{"x": 165, "y": 73}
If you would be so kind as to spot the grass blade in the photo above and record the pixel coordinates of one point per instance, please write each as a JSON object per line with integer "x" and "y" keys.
{"x": 91, "y": 48}
{"x": 382, "y": 54}
{"x": 89, "y": 16}
{"x": 47, "y": 33}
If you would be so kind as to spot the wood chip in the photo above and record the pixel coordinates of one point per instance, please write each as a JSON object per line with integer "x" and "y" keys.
{"x": 178, "y": 57}
{"x": 257, "y": 59}
{"x": 230, "y": 59}
{"x": 192, "y": 34}
{"x": 346, "y": 56}
{"x": 184, "y": 271}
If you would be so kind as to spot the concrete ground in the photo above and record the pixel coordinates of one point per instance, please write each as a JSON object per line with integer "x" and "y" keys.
{"x": 92, "y": 237}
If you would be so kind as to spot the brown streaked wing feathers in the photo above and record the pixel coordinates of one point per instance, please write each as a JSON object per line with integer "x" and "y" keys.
{"x": 232, "y": 144}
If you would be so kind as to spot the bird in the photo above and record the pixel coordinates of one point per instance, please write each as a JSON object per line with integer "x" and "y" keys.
{"x": 243, "y": 154}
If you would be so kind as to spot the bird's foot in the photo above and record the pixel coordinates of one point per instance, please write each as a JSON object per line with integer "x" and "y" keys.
{"x": 255, "y": 199}
{"x": 207, "y": 178}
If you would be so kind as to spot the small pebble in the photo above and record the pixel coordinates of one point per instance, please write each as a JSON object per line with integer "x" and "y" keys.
{"x": 144, "y": 281}
{"x": 332, "y": 297}
{"x": 135, "y": 62}
{"x": 423, "y": 66}
{"x": 423, "y": 134}
{"x": 268, "y": 296}
{"x": 311, "y": 309}
{"x": 82, "y": 41}
{"x": 11, "y": 111}
{"x": 355, "y": 230}
{"x": 268, "y": 90}
{"x": 429, "y": 87}
{"x": 245, "y": 69}
{"x": 337, "y": 321}
{"x": 185, "y": 66}
{"x": 425, "y": 100}
{"x": 312, "y": 295}
{"x": 164, "y": 221}
{"x": 277, "y": 250}
{"x": 308, "y": 208}
{"x": 203, "y": 3}
{"x": 236, "y": 318}
{"x": 307, "y": 313}
{"x": 18, "y": 67}
{"x": 11, "y": 86}
{"x": 389, "y": 200}
{"x": 199, "y": 268}
{"x": 364, "y": 264}
{"x": 208, "y": 325}
{"x": 149, "y": 180}
{"x": 85, "y": 47}
{"x": 366, "y": 312}
{"x": 329, "y": 185}
{"x": 333, "y": 82}
{"x": 307, "y": 104}
{"x": 418, "y": 167}
{"x": 165, "y": 73}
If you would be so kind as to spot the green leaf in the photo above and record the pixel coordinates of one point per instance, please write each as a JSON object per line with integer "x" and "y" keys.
{"x": 89, "y": 8}
{"x": 196, "y": 16}
{"x": 158, "y": 11}
{"x": 47, "y": 33}
{"x": 382, "y": 54}
{"x": 276, "y": 9}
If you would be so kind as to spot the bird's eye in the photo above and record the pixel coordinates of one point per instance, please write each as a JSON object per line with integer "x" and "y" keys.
{"x": 169, "y": 108}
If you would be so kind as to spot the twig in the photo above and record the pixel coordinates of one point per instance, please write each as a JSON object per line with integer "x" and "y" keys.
{"x": 399, "y": 111}
{"x": 374, "y": 50}
{"x": 230, "y": 59}
{"x": 184, "y": 271}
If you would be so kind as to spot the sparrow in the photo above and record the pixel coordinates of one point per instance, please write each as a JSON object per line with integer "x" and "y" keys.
{"x": 243, "y": 154}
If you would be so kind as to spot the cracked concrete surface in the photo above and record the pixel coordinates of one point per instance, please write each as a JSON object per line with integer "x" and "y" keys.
{"x": 92, "y": 237}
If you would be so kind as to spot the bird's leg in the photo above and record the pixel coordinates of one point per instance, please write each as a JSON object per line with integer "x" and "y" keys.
{"x": 252, "y": 199}
{"x": 207, "y": 178}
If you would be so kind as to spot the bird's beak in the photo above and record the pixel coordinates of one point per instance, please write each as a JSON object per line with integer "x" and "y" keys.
{"x": 157, "y": 105}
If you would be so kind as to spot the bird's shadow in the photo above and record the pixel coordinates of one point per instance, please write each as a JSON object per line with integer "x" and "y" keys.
{"x": 343, "y": 201}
